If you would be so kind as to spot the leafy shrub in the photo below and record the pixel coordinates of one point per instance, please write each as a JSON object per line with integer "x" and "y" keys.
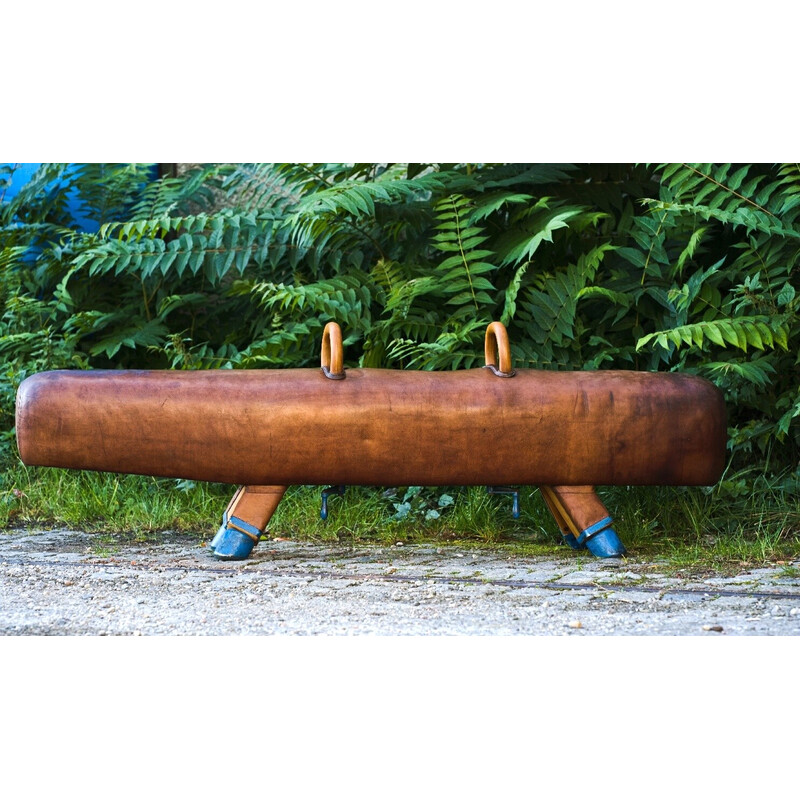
{"x": 661, "y": 267}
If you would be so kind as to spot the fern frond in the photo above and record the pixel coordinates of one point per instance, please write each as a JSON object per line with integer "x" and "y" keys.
{"x": 550, "y": 309}
{"x": 691, "y": 248}
{"x": 765, "y": 260}
{"x": 511, "y": 292}
{"x": 346, "y": 299}
{"x": 110, "y": 192}
{"x": 261, "y": 186}
{"x": 182, "y": 354}
{"x": 459, "y": 348}
{"x": 176, "y": 196}
{"x": 621, "y": 299}
{"x": 521, "y": 243}
{"x": 723, "y": 184}
{"x": 742, "y": 196}
{"x": 123, "y": 331}
{"x": 502, "y": 176}
{"x": 292, "y": 344}
{"x": 459, "y": 275}
{"x": 10, "y": 256}
{"x": 488, "y": 204}
{"x": 684, "y": 297}
{"x": 358, "y": 198}
{"x": 388, "y": 275}
{"x": 790, "y": 186}
{"x": 227, "y": 240}
{"x": 760, "y": 332}
{"x": 758, "y": 372}
{"x": 748, "y": 218}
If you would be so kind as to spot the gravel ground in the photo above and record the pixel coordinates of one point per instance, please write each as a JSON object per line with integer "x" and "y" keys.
{"x": 60, "y": 582}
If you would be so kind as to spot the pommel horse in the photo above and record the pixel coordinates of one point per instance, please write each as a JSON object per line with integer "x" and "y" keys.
{"x": 565, "y": 432}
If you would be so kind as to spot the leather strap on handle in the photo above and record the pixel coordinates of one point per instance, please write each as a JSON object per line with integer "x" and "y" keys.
{"x": 497, "y": 351}
{"x": 332, "y": 358}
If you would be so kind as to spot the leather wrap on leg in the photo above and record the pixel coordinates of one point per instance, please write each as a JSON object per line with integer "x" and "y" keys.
{"x": 245, "y": 520}
{"x": 583, "y": 519}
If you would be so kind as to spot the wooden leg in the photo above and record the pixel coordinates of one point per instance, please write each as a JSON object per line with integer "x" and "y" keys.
{"x": 583, "y": 519}
{"x": 245, "y": 520}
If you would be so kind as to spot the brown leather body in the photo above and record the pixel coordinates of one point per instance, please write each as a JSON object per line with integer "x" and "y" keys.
{"x": 378, "y": 427}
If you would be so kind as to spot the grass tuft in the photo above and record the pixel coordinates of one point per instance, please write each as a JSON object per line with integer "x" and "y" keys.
{"x": 679, "y": 527}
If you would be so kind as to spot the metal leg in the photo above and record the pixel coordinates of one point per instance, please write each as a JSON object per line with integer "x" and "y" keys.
{"x": 323, "y": 512}
{"x": 583, "y": 519}
{"x": 507, "y": 490}
{"x": 245, "y": 520}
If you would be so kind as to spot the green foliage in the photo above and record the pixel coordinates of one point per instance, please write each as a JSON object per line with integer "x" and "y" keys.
{"x": 105, "y": 501}
{"x": 745, "y": 521}
{"x": 734, "y": 317}
{"x": 417, "y": 503}
{"x": 688, "y": 267}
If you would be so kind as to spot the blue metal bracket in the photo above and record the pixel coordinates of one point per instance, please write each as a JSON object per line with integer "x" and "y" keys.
{"x": 323, "y": 512}
{"x": 507, "y": 490}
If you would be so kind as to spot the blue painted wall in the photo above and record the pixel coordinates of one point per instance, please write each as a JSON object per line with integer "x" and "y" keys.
{"x": 24, "y": 172}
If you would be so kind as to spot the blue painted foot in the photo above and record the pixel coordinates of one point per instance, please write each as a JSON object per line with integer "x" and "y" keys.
{"x": 574, "y": 543}
{"x": 218, "y": 535}
{"x": 600, "y": 539}
{"x": 606, "y": 544}
{"x": 235, "y": 540}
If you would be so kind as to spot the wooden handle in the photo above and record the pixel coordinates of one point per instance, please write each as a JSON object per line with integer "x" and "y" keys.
{"x": 332, "y": 358}
{"x": 497, "y": 350}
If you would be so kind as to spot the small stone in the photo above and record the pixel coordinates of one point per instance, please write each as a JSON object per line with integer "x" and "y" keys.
{"x": 398, "y": 544}
{"x": 794, "y": 612}
{"x": 574, "y": 624}
{"x": 715, "y": 628}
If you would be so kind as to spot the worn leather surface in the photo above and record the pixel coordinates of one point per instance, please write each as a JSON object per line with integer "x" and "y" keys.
{"x": 378, "y": 427}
